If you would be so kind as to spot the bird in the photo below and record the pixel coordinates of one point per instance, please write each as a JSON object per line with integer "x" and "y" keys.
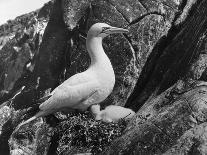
{"x": 112, "y": 113}
{"x": 84, "y": 90}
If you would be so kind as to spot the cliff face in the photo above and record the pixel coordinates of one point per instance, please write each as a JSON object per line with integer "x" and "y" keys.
{"x": 20, "y": 41}
{"x": 160, "y": 69}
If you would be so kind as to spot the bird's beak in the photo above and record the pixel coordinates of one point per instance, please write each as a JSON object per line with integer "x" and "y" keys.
{"x": 112, "y": 30}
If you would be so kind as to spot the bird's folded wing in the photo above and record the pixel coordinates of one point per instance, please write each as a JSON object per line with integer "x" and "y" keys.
{"x": 79, "y": 78}
{"x": 43, "y": 99}
{"x": 70, "y": 96}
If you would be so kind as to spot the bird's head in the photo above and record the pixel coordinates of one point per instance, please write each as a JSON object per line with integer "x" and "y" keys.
{"x": 102, "y": 30}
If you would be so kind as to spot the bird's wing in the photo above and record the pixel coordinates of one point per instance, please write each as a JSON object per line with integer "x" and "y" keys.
{"x": 72, "y": 81}
{"x": 66, "y": 96}
{"x": 79, "y": 78}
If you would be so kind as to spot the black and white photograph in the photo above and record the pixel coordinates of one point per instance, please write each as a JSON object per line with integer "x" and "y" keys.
{"x": 103, "y": 77}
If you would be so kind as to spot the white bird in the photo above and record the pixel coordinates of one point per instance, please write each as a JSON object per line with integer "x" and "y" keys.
{"x": 88, "y": 88}
{"x": 112, "y": 113}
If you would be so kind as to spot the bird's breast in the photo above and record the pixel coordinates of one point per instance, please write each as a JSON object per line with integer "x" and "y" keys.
{"x": 105, "y": 75}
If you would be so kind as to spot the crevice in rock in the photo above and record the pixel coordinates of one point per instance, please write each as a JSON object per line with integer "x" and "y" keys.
{"x": 185, "y": 9}
{"x": 143, "y": 16}
{"x": 56, "y": 28}
{"x": 122, "y": 14}
{"x": 12, "y": 99}
{"x": 163, "y": 2}
{"x": 185, "y": 60}
{"x": 133, "y": 101}
{"x": 143, "y": 5}
{"x": 183, "y": 4}
{"x": 7, "y": 130}
{"x": 165, "y": 133}
{"x": 194, "y": 148}
{"x": 83, "y": 25}
{"x": 54, "y": 142}
{"x": 131, "y": 46}
{"x": 179, "y": 12}
{"x": 192, "y": 112}
{"x": 188, "y": 104}
{"x": 169, "y": 6}
{"x": 80, "y": 29}
{"x": 155, "y": 76}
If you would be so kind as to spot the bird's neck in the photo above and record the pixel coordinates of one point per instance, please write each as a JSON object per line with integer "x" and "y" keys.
{"x": 96, "y": 51}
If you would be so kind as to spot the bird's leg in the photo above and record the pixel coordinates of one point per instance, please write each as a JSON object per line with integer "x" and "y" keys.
{"x": 96, "y": 112}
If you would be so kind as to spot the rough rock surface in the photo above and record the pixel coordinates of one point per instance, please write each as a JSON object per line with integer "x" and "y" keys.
{"x": 20, "y": 41}
{"x": 160, "y": 68}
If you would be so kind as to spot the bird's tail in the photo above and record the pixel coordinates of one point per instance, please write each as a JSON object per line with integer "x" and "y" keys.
{"x": 43, "y": 99}
{"x": 39, "y": 114}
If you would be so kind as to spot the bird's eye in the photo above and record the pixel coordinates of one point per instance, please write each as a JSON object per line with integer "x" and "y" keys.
{"x": 104, "y": 29}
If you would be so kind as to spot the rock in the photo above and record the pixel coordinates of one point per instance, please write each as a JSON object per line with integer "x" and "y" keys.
{"x": 159, "y": 66}
{"x": 186, "y": 50}
{"x": 162, "y": 123}
{"x": 163, "y": 67}
{"x": 17, "y": 152}
{"x": 36, "y": 141}
{"x": 5, "y": 114}
{"x": 21, "y": 41}
{"x": 192, "y": 141}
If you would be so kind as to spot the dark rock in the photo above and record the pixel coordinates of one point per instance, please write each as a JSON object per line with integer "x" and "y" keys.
{"x": 175, "y": 52}
{"x": 74, "y": 11}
